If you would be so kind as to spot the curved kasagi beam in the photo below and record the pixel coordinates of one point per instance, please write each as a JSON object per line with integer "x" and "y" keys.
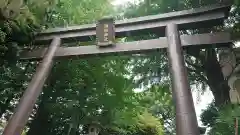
{"x": 155, "y": 24}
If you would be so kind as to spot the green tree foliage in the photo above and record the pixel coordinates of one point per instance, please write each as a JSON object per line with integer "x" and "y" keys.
{"x": 143, "y": 123}
{"x": 203, "y": 66}
{"x": 17, "y": 26}
{"x": 148, "y": 124}
{"x": 78, "y": 91}
{"x": 221, "y": 121}
{"x": 89, "y": 92}
{"x": 76, "y": 12}
{"x": 159, "y": 102}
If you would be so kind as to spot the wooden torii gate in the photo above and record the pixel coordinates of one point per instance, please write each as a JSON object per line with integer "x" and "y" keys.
{"x": 166, "y": 26}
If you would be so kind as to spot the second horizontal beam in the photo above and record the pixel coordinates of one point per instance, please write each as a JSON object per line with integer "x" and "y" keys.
{"x": 129, "y": 47}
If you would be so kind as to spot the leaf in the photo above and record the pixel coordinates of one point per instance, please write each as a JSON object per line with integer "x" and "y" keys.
{"x": 3, "y": 4}
{"x": 15, "y": 5}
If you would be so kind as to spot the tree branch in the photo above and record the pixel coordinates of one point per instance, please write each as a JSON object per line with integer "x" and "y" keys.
{"x": 197, "y": 67}
{"x": 195, "y": 52}
{"x": 199, "y": 74}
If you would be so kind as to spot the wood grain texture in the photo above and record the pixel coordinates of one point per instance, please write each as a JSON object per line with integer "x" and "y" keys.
{"x": 131, "y": 47}
{"x": 155, "y": 24}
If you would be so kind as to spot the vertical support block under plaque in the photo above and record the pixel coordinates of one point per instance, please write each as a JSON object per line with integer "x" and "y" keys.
{"x": 105, "y": 32}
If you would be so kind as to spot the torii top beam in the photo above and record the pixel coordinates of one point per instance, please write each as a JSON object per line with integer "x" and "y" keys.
{"x": 187, "y": 19}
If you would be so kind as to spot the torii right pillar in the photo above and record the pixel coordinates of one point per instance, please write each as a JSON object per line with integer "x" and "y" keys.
{"x": 186, "y": 120}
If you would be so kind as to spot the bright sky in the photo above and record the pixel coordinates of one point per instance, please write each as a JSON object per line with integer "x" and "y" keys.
{"x": 119, "y": 2}
{"x": 205, "y": 99}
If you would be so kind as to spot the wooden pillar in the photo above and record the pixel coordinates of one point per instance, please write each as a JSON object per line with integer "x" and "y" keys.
{"x": 20, "y": 117}
{"x": 186, "y": 121}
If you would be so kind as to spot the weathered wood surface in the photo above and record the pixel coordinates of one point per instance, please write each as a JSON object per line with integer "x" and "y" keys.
{"x": 132, "y": 47}
{"x": 193, "y": 18}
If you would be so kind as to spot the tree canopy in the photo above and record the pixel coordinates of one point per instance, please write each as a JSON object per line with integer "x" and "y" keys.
{"x": 103, "y": 89}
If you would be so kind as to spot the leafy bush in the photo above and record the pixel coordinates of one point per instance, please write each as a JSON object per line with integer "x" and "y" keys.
{"x": 18, "y": 23}
{"x": 221, "y": 121}
{"x": 139, "y": 124}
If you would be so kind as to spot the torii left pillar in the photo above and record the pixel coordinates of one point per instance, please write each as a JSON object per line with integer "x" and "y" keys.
{"x": 20, "y": 117}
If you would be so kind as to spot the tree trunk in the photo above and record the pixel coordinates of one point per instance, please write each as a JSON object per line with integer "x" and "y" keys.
{"x": 216, "y": 82}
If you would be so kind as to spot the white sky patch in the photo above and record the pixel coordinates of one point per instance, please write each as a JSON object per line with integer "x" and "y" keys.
{"x": 205, "y": 100}
{"x": 237, "y": 44}
{"x": 122, "y": 2}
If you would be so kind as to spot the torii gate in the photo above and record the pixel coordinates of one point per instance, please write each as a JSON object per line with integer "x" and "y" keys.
{"x": 169, "y": 23}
